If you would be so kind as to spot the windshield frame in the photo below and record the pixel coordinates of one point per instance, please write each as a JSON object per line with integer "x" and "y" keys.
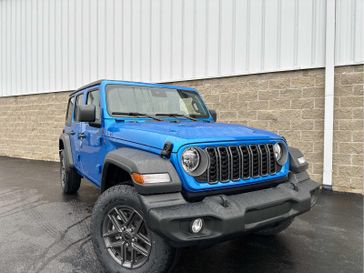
{"x": 176, "y": 88}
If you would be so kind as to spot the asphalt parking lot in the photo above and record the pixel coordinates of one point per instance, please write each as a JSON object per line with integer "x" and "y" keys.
{"x": 42, "y": 230}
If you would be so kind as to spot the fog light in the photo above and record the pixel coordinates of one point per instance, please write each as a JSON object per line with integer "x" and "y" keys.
{"x": 197, "y": 225}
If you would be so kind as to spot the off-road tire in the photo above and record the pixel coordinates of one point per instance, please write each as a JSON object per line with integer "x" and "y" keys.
{"x": 275, "y": 229}
{"x": 70, "y": 179}
{"x": 161, "y": 255}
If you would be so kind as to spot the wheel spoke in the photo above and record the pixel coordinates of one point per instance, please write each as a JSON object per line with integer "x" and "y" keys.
{"x": 115, "y": 244}
{"x": 123, "y": 252}
{"x": 110, "y": 233}
{"x": 143, "y": 238}
{"x": 121, "y": 214}
{"x": 131, "y": 217}
{"x": 140, "y": 249}
{"x": 114, "y": 222}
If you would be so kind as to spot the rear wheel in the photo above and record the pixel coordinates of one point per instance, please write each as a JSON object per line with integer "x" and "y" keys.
{"x": 121, "y": 237}
{"x": 70, "y": 179}
{"x": 275, "y": 229}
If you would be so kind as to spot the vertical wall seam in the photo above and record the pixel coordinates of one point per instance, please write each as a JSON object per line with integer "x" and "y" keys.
{"x": 194, "y": 25}
{"x": 313, "y": 34}
{"x": 247, "y": 49}
{"x": 262, "y": 48}
{"x": 207, "y": 35}
{"x": 296, "y": 34}
{"x": 130, "y": 39}
{"x": 279, "y": 33}
{"x": 171, "y": 40}
{"x": 353, "y": 29}
{"x": 219, "y": 40}
{"x": 182, "y": 38}
{"x": 233, "y": 40}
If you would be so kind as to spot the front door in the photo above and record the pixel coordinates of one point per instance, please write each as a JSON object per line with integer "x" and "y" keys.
{"x": 91, "y": 149}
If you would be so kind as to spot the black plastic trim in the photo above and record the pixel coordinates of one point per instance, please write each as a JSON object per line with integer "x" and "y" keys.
{"x": 170, "y": 215}
{"x": 132, "y": 160}
{"x": 197, "y": 196}
{"x": 294, "y": 165}
{"x": 67, "y": 151}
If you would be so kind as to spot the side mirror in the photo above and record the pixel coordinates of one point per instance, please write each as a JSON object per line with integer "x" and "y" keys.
{"x": 213, "y": 114}
{"x": 86, "y": 113}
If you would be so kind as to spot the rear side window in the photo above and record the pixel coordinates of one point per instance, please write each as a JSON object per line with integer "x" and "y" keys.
{"x": 78, "y": 103}
{"x": 71, "y": 104}
{"x": 93, "y": 98}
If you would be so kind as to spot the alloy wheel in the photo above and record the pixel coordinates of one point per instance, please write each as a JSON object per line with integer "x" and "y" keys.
{"x": 126, "y": 237}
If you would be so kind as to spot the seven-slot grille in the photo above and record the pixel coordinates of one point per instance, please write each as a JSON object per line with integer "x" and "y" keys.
{"x": 239, "y": 162}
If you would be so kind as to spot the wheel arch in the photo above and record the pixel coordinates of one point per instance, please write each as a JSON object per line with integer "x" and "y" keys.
{"x": 64, "y": 144}
{"x": 121, "y": 163}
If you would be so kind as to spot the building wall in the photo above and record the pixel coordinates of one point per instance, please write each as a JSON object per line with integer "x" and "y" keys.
{"x": 289, "y": 103}
{"x": 55, "y": 45}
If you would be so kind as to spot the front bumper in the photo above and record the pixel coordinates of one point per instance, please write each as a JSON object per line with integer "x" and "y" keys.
{"x": 170, "y": 215}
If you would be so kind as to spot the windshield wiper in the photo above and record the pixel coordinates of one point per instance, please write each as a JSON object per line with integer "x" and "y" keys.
{"x": 135, "y": 114}
{"x": 177, "y": 116}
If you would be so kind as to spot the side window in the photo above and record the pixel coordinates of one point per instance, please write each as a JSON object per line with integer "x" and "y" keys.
{"x": 78, "y": 103}
{"x": 93, "y": 98}
{"x": 71, "y": 103}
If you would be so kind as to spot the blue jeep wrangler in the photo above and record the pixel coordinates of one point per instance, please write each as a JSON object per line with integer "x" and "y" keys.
{"x": 171, "y": 177}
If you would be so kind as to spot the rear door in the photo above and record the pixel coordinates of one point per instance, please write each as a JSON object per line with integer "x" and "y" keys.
{"x": 75, "y": 131}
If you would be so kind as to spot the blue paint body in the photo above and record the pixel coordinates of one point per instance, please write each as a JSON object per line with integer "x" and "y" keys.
{"x": 149, "y": 135}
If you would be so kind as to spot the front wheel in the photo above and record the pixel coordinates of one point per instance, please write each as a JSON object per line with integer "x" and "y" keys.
{"x": 121, "y": 237}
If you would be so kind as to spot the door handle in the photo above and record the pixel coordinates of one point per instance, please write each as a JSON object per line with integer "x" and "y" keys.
{"x": 81, "y": 135}
{"x": 72, "y": 132}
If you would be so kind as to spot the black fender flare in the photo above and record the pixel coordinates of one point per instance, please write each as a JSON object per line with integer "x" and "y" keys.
{"x": 67, "y": 151}
{"x": 138, "y": 161}
{"x": 294, "y": 165}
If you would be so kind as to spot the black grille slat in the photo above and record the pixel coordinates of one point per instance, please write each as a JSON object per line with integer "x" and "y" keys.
{"x": 246, "y": 158}
{"x": 264, "y": 159}
{"x": 232, "y": 163}
{"x": 272, "y": 164}
{"x": 224, "y": 158}
{"x": 235, "y": 163}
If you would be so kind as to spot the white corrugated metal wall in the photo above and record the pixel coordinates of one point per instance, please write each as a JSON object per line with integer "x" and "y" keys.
{"x": 54, "y": 45}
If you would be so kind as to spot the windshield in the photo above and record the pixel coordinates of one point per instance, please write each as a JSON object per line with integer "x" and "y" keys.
{"x": 154, "y": 101}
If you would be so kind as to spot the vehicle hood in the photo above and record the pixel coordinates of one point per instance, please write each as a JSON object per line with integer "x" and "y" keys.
{"x": 155, "y": 134}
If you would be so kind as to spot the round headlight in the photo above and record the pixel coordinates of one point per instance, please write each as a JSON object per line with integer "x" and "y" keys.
{"x": 277, "y": 151}
{"x": 280, "y": 153}
{"x": 190, "y": 160}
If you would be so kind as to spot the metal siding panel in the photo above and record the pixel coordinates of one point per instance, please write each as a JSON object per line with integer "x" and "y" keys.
{"x": 177, "y": 40}
{"x": 255, "y": 36}
{"x": 359, "y": 33}
{"x": 118, "y": 39}
{"x": 213, "y": 38}
{"x": 188, "y": 29}
{"x": 271, "y": 35}
{"x": 200, "y": 43}
{"x": 135, "y": 40}
{"x": 287, "y": 35}
{"x": 55, "y": 45}
{"x": 226, "y": 37}
{"x": 304, "y": 39}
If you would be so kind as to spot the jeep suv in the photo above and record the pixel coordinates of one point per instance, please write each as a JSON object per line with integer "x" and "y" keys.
{"x": 172, "y": 177}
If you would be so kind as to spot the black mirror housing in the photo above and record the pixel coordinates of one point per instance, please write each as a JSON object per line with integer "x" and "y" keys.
{"x": 86, "y": 113}
{"x": 213, "y": 114}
